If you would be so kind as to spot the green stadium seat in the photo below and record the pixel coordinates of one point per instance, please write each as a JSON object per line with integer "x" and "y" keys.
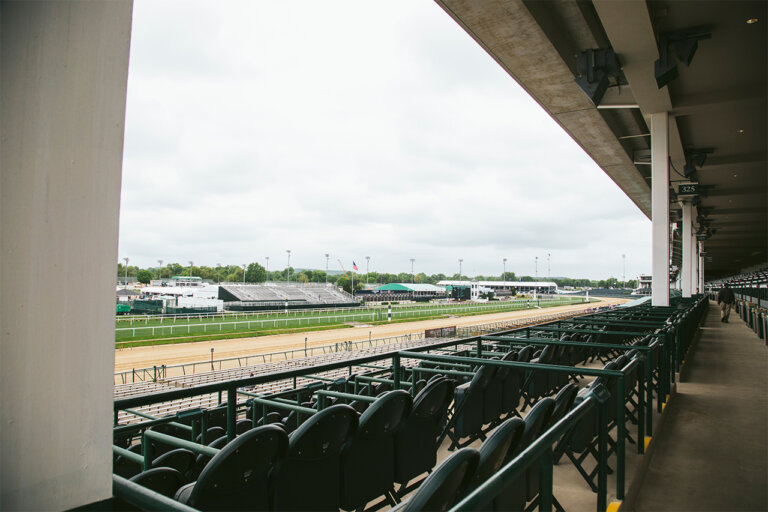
{"x": 237, "y": 478}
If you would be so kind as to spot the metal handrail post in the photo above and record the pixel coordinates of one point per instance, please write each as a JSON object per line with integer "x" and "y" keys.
{"x": 602, "y": 449}
{"x": 641, "y": 383}
{"x": 231, "y": 413}
{"x": 545, "y": 481}
{"x": 620, "y": 438}
{"x": 396, "y": 370}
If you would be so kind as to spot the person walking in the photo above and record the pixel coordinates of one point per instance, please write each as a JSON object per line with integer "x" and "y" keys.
{"x": 725, "y": 300}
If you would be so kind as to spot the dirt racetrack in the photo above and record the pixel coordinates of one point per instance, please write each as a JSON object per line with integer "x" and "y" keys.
{"x": 147, "y": 356}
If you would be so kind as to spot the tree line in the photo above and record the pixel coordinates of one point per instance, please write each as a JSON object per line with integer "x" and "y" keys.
{"x": 256, "y": 273}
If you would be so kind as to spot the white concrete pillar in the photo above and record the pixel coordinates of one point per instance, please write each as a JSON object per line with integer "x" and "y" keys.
{"x": 694, "y": 262}
{"x": 701, "y": 267}
{"x": 62, "y": 114}
{"x": 660, "y": 208}
{"x": 686, "y": 272}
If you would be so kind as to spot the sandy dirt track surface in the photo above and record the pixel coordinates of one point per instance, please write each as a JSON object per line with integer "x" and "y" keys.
{"x": 147, "y": 356}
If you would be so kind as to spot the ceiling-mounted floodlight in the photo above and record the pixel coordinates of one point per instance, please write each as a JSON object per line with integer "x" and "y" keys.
{"x": 595, "y": 67}
{"x": 695, "y": 158}
{"x": 684, "y": 43}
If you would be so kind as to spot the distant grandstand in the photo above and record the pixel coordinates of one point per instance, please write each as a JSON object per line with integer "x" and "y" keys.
{"x": 255, "y": 297}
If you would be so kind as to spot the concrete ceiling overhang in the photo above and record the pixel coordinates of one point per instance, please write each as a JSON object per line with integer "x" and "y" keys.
{"x": 509, "y": 33}
{"x": 719, "y": 102}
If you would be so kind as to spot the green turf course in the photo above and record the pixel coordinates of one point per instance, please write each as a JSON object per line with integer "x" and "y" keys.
{"x": 195, "y": 327}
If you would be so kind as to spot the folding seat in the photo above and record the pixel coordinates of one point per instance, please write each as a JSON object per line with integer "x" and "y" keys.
{"x": 202, "y": 460}
{"x": 236, "y": 478}
{"x": 272, "y": 417}
{"x": 467, "y": 415}
{"x": 163, "y": 480}
{"x": 580, "y": 442}
{"x": 416, "y": 442}
{"x": 368, "y": 459}
{"x": 494, "y": 450}
{"x": 511, "y": 386}
{"x": 446, "y": 485}
{"x": 167, "y": 429}
{"x": 127, "y": 468}
{"x": 492, "y": 397}
{"x": 563, "y": 403}
{"x": 314, "y": 460}
{"x": 514, "y": 496}
{"x": 538, "y": 383}
{"x": 242, "y": 426}
{"x": 382, "y": 387}
{"x": 179, "y": 459}
{"x": 211, "y": 434}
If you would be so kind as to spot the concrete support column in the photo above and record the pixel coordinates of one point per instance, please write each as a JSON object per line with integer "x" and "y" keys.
{"x": 660, "y": 208}
{"x": 701, "y": 267}
{"x": 62, "y": 115}
{"x": 694, "y": 264}
{"x": 688, "y": 252}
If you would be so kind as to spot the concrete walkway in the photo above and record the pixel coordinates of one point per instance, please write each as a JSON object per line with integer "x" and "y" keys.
{"x": 712, "y": 454}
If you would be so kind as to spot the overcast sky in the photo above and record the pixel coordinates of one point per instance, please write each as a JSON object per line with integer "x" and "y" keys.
{"x": 358, "y": 129}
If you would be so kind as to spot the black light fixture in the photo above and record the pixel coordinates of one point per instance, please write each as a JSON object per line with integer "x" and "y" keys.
{"x": 684, "y": 43}
{"x": 695, "y": 158}
{"x": 595, "y": 66}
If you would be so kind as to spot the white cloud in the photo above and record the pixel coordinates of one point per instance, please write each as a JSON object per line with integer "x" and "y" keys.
{"x": 342, "y": 127}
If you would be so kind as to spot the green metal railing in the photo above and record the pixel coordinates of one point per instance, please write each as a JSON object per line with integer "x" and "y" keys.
{"x": 645, "y": 422}
{"x": 540, "y": 451}
{"x": 619, "y": 375}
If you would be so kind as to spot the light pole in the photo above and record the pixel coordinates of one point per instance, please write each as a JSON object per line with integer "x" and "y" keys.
{"x": 413, "y": 280}
{"x": 218, "y": 273}
{"x": 266, "y": 279}
{"x": 623, "y": 269}
{"x": 125, "y": 283}
{"x": 536, "y": 268}
{"x": 243, "y": 273}
{"x": 191, "y": 264}
{"x": 160, "y": 270}
{"x": 460, "y": 262}
{"x": 289, "y": 265}
{"x": 549, "y": 274}
{"x": 326, "y": 268}
{"x": 504, "y": 275}
{"x": 367, "y": 264}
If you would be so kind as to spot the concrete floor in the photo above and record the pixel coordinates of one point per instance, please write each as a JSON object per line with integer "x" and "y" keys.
{"x": 712, "y": 454}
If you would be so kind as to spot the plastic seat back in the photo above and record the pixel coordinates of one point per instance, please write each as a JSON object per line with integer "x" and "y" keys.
{"x": 514, "y": 496}
{"x": 447, "y": 484}
{"x": 535, "y": 420}
{"x": 236, "y": 477}
{"x": 469, "y": 401}
{"x": 313, "y": 460}
{"x": 494, "y": 450}
{"x": 368, "y": 459}
{"x": 165, "y": 481}
{"x": 179, "y": 459}
{"x": 416, "y": 441}
{"x": 510, "y": 386}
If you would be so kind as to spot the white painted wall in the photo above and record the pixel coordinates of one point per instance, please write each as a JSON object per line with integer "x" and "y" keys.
{"x": 62, "y": 113}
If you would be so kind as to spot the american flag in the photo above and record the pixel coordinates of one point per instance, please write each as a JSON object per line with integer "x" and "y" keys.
{"x": 354, "y": 265}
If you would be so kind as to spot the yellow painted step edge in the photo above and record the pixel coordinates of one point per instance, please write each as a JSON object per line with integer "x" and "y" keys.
{"x": 614, "y": 506}
{"x": 647, "y": 441}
